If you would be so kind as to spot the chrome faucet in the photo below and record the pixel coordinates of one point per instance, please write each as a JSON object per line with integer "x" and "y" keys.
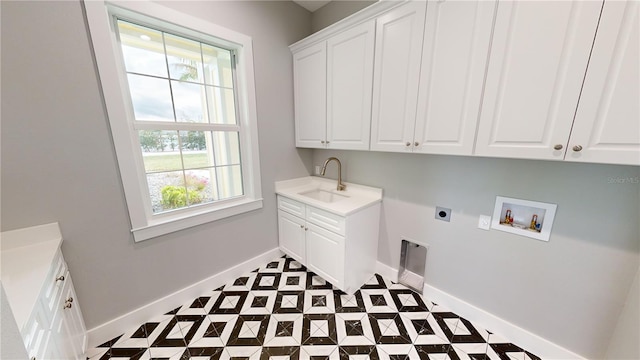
{"x": 341, "y": 186}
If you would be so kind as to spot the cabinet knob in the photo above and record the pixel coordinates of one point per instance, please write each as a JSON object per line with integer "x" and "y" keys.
{"x": 301, "y": 226}
{"x": 408, "y": 144}
{"x": 327, "y": 141}
{"x": 558, "y": 147}
{"x": 67, "y": 306}
{"x": 60, "y": 278}
{"x": 305, "y": 229}
{"x": 70, "y": 299}
{"x": 322, "y": 141}
{"x": 416, "y": 143}
{"x": 577, "y": 148}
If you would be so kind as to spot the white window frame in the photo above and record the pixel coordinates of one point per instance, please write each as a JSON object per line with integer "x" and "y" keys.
{"x": 146, "y": 225}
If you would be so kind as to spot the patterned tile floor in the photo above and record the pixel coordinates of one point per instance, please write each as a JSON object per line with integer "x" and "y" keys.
{"x": 283, "y": 311}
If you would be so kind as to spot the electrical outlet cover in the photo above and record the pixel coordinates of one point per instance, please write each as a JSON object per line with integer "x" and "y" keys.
{"x": 443, "y": 214}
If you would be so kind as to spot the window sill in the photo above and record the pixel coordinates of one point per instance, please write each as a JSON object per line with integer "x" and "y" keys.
{"x": 169, "y": 225}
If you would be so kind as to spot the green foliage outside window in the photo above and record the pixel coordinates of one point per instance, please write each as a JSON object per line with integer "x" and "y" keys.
{"x": 174, "y": 197}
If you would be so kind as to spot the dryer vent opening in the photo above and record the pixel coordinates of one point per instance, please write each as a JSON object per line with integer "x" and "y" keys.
{"x": 413, "y": 260}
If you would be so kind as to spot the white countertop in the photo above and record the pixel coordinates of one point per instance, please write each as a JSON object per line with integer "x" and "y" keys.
{"x": 26, "y": 256}
{"x": 357, "y": 197}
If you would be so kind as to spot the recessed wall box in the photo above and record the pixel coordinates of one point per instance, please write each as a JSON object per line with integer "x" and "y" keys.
{"x": 523, "y": 217}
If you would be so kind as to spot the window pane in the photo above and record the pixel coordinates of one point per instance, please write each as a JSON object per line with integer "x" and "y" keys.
{"x": 151, "y": 98}
{"x": 203, "y": 181}
{"x": 190, "y": 102}
{"x": 142, "y": 49}
{"x": 184, "y": 58}
{"x": 160, "y": 150}
{"x": 175, "y": 79}
{"x": 229, "y": 181}
{"x": 167, "y": 191}
{"x": 221, "y": 105}
{"x": 217, "y": 66}
{"x": 197, "y": 151}
{"x": 226, "y": 147}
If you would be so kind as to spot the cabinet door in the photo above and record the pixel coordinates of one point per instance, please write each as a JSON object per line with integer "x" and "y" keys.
{"x": 75, "y": 334}
{"x": 37, "y": 333}
{"x": 538, "y": 59}
{"x": 325, "y": 254}
{"x": 454, "y": 60}
{"x": 310, "y": 77}
{"x": 396, "y": 76}
{"x": 607, "y": 124}
{"x": 349, "y": 85}
{"x": 56, "y": 348}
{"x": 291, "y": 235}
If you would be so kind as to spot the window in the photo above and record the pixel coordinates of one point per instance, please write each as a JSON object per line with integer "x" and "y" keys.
{"x": 181, "y": 106}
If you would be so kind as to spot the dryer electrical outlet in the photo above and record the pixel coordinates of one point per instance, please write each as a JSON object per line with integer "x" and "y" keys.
{"x": 443, "y": 214}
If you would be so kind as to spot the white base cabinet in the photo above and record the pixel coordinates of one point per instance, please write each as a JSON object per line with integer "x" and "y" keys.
{"x": 341, "y": 249}
{"x": 41, "y": 294}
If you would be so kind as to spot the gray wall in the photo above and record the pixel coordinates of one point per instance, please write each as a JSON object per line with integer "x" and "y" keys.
{"x": 58, "y": 161}
{"x": 569, "y": 290}
{"x": 336, "y": 10}
{"x": 624, "y": 342}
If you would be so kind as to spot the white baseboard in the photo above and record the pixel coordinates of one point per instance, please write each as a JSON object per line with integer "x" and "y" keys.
{"x": 129, "y": 321}
{"x": 533, "y": 343}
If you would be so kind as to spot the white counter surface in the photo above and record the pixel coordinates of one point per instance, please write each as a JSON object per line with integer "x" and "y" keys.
{"x": 26, "y": 256}
{"x": 357, "y": 196}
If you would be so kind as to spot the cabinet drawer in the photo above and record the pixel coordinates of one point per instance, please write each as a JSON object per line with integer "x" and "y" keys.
{"x": 291, "y": 206}
{"x": 327, "y": 220}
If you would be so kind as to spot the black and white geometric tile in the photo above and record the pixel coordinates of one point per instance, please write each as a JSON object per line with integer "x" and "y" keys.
{"x": 283, "y": 311}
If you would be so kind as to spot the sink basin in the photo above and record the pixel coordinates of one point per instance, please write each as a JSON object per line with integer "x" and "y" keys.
{"x": 324, "y": 196}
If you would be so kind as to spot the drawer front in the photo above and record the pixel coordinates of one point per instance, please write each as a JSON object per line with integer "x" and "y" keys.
{"x": 291, "y": 206}
{"x": 327, "y": 220}
{"x": 55, "y": 283}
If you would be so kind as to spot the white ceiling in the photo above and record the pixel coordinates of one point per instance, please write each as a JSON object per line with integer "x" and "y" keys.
{"x": 312, "y": 5}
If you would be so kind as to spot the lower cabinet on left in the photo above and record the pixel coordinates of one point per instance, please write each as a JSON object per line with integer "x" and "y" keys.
{"x": 41, "y": 295}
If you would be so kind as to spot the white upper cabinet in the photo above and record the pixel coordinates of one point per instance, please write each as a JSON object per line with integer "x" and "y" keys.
{"x": 429, "y": 75}
{"x": 309, "y": 76}
{"x": 548, "y": 80}
{"x": 454, "y": 60}
{"x": 607, "y": 123}
{"x": 538, "y": 60}
{"x": 396, "y": 77}
{"x": 349, "y": 83}
{"x": 332, "y": 90}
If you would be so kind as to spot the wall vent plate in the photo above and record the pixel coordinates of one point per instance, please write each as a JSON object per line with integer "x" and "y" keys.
{"x": 443, "y": 214}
